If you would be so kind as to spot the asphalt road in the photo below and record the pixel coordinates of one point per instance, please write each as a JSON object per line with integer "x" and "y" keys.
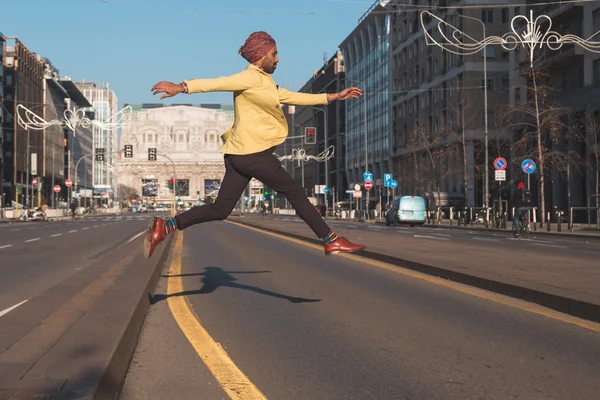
{"x": 301, "y": 325}
{"x": 35, "y": 256}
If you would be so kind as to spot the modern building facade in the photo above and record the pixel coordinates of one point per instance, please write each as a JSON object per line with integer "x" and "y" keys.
{"x": 187, "y": 142}
{"x": 367, "y": 63}
{"x": 438, "y": 139}
{"x": 23, "y": 84}
{"x": 329, "y": 124}
{"x": 573, "y": 74}
{"x": 104, "y": 106}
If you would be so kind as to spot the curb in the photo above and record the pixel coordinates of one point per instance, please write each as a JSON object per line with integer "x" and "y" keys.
{"x": 540, "y": 232}
{"x": 577, "y": 308}
{"x": 112, "y": 378}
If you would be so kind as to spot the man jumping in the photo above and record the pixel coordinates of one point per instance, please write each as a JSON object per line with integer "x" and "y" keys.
{"x": 259, "y": 127}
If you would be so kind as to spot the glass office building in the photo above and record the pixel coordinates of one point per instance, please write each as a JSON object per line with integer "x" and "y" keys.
{"x": 367, "y": 61}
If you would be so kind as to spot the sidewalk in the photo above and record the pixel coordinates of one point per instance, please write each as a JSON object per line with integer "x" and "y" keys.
{"x": 566, "y": 281}
{"x": 578, "y": 231}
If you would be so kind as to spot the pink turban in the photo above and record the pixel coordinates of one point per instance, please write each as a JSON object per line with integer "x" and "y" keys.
{"x": 257, "y": 46}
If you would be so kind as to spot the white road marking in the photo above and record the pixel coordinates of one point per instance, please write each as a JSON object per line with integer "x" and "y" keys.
{"x": 137, "y": 236}
{"x": 5, "y": 246}
{"x": 14, "y": 230}
{"x": 32, "y": 240}
{"x": 549, "y": 245}
{"x": 95, "y": 226}
{"x": 74, "y": 230}
{"x": 87, "y": 227}
{"x": 429, "y": 237}
{"x": 484, "y": 239}
{"x": 9, "y": 309}
{"x": 56, "y": 234}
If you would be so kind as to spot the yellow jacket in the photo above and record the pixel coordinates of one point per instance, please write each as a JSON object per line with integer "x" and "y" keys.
{"x": 259, "y": 121}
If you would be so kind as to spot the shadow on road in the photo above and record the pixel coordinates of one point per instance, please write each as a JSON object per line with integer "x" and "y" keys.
{"x": 215, "y": 277}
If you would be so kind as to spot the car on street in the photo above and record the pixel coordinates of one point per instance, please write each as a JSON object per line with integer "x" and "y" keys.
{"x": 408, "y": 210}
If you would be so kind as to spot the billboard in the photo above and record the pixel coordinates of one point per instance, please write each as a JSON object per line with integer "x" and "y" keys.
{"x": 211, "y": 187}
{"x": 149, "y": 187}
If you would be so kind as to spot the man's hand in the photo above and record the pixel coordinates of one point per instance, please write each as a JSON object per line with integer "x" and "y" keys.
{"x": 169, "y": 89}
{"x": 349, "y": 92}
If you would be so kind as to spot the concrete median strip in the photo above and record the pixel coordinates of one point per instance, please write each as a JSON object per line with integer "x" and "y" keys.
{"x": 556, "y": 306}
{"x": 77, "y": 339}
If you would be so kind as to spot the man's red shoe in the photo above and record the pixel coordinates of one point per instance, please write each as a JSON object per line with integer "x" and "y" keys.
{"x": 342, "y": 246}
{"x": 155, "y": 235}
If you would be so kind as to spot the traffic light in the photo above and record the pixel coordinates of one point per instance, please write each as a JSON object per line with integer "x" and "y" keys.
{"x": 152, "y": 154}
{"x": 99, "y": 154}
{"x": 310, "y": 135}
{"x": 128, "y": 151}
{"x": 527, "y": 196}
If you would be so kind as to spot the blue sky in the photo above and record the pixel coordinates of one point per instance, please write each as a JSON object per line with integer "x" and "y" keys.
{"x": 132, "y": 44}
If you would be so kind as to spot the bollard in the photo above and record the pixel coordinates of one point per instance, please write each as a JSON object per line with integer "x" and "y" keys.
{"x": 471, "y": 211}
{"x": 558, "y": 227}
{"x": 459, "y": 218}
{"x": 548, "y": 221}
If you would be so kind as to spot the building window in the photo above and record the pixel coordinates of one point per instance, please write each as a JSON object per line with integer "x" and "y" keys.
{"x": 596, "y": 20}
{"x": 490, "y": 52}
{"x": 505, "y": 55}
{"x": 490, "y": 116}
{"x": 487, "y": 16}
{"x": 9, "y": 80}
{"x": 505, "y": 15}
{"x": 505, "y": 83}
{"x": 490, "y": 84}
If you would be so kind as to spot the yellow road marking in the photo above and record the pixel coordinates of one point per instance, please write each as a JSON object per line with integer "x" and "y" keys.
{"x": 230, "y": 377}
{"x": 481, "y": 293}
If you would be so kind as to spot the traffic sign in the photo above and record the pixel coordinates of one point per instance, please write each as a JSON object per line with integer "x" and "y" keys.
{"x": 394, "y": 184}
{"x": 367, "y": 176}
{"x": 68, "y": 183}
{"x": 357, "y": 195}
{"x": 34, "y": 181}
{"x": 56, "y": 188}
{"x": 357, "y": 187}
{"x": 350, "y": 191}
{"x": 528, "y": 166}
{"x": 387, "y": 178}
{"x": 326, "y": 190}
{"x": 368, "y": 185}
{"x": 500, "y": 175}
{"x": 500, "y": 163}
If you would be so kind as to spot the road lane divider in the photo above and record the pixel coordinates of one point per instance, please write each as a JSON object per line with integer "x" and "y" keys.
{"x": 137, "y": 236}
{"x": 237, "y": 385}
{"x": 9, "y": 309}
{"x": 509, "y": 301}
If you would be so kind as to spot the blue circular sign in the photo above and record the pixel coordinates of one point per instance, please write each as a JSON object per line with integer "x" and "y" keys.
{"x": 326, "y": 190}
{"x": 500, "y": 163}
{"x": 528, "y": 166}
{"x": 394, "y": 184}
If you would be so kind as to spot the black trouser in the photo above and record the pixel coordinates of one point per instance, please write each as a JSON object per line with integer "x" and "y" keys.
{"x": 265, "y": 167}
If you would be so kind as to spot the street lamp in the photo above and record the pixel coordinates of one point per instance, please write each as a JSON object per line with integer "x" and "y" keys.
{"x": 325, "y": 118}
{"x": 485, "y": 113}
{"x": 366, "y": 143}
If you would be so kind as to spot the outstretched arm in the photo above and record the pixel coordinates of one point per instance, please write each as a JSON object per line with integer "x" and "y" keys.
{"x": 308, "y": 99}
{"x": 232, "y": 83}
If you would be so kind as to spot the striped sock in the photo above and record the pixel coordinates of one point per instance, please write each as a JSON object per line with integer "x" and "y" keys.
{"x": 331, "y": 237}
{"x": 170, "y": 225}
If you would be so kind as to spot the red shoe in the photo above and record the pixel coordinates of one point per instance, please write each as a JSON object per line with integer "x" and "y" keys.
{"x": 342, "y": 246}
{"x": 156, "y": 234}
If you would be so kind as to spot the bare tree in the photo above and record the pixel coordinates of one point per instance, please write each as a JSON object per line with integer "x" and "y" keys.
{"x": 127, "y": 193}
{"x": 541, "y": 123}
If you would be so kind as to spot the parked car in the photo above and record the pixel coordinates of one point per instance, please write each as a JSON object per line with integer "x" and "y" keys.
{"x": 409, "y": 210}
